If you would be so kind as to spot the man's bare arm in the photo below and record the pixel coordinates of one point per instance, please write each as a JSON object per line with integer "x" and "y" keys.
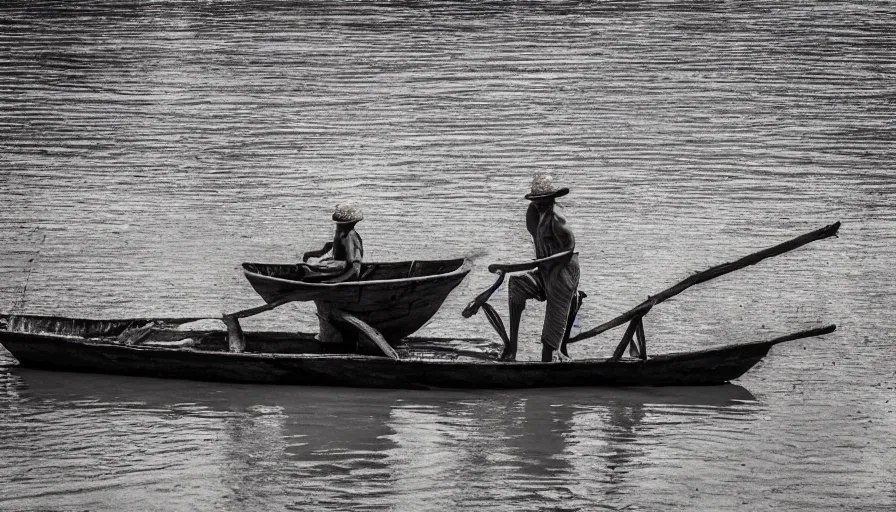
{"x": 318, "y": 253}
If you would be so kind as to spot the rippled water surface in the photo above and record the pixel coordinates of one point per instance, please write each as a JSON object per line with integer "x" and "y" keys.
{"x": 147, "y": 148}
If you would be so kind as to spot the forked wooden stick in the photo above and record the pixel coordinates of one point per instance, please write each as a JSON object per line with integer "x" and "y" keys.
{"x": 706, "y": 275}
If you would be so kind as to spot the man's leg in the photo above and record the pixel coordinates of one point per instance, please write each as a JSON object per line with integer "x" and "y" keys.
{"x": 577, "y": 299}
{"x": 561, "y": 285}
{"x": 519, "y": 290}
{"x": 547, "y": 353}
{"x": 323, "y": 271}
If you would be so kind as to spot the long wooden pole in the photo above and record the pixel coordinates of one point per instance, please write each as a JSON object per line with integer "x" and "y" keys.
{"x": 706, "y": 275}
{"x": 563, "y": 257}
{"x": 369, "y": 331}
{"x": 504, "y": 268}
{"x": 818, "y": 331}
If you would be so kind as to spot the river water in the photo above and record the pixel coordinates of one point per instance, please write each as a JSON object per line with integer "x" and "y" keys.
{"x": 148, "y": 148}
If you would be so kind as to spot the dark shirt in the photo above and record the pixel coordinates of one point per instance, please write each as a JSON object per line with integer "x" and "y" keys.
{"x": 549, "y": 231}
{"x": 347, "y": 247}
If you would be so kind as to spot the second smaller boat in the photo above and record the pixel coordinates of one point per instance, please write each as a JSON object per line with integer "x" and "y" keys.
{"x": 389, "y": 302}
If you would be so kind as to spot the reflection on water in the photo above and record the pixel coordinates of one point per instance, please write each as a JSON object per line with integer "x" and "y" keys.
{"x": 337, "y": 449}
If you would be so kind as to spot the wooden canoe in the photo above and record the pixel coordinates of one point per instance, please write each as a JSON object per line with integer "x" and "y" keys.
{"x": 95, "y": 346}
{"x": 396, "y": 299}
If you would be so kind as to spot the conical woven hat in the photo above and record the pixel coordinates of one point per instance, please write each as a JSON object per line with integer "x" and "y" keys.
{"x": 543, "y": 187}
{"x": 347, "y": 212}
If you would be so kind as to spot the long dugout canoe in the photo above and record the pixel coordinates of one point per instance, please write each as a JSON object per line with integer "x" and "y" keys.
{"x": 288, "y": 358}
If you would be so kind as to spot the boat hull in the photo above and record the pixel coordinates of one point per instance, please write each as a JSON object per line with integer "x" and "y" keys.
{"x": 396, "y": 299}
{"x": 64, "y": 353}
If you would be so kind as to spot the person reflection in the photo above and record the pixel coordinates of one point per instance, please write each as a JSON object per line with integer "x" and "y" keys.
{"x": 334, "y": 442}
{"x": 562, "y": 447}
{"x": 620, "y": 433}
{"x": 468, "y": 449}
{"x": 609, "y": 439}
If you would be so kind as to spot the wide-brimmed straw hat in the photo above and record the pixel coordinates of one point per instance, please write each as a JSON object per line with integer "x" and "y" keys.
{"x": 347, "y": 212}
{"x": 543, "y": 188}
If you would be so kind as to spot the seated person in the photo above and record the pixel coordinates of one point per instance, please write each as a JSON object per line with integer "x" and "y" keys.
{"x": 344, "y": 263}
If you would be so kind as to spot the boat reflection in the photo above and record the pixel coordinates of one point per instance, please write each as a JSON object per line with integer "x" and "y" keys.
{"x": 334, "y": 447}
{"x": 561, "y": 445}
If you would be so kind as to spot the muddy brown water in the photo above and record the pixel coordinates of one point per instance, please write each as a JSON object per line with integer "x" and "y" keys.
{"x": 148, "y": 148}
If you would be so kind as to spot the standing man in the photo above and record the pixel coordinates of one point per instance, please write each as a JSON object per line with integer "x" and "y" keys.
{"x": 556, "y": 283}
{"x": 347, "y": 247}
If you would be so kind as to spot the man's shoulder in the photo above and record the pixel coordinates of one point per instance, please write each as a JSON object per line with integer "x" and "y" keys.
{"x": 357, "y": 247}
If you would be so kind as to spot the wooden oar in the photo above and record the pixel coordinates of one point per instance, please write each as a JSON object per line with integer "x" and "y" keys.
{"x": 712, "y": 273}
{"x": 373, "y": 334}
{"x": 235, "y": 337}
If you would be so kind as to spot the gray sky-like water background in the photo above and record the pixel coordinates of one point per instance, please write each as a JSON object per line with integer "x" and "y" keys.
{"x": 148, "y": 148}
